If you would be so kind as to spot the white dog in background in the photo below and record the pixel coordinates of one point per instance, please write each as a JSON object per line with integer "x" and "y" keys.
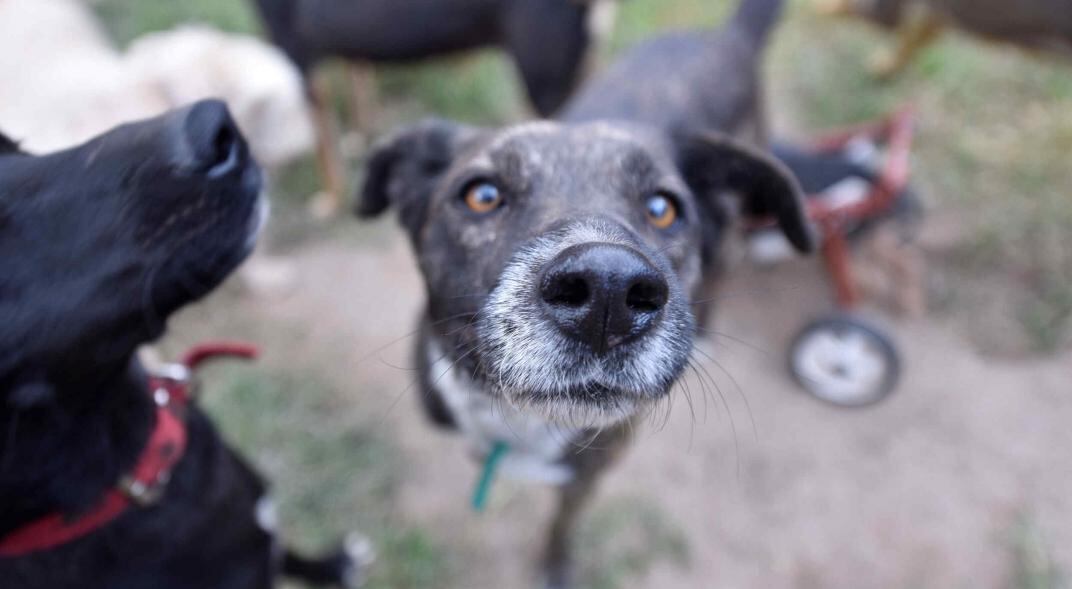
{"x": 62, "y": 80}
{"x": 260, "y": 85}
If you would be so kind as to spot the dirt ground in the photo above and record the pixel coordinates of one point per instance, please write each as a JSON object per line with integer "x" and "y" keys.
{"x": 926, "y": 490}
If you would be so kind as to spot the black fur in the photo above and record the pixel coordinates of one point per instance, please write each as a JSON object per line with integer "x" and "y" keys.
{"x": 419, "y": 154}
{"x": 99, "y": 245}
{"x": 757, "y": 18}
{"x": 8, "y": 145}
{"x": 769, "y": 187}
{"x": 547, "y": 39}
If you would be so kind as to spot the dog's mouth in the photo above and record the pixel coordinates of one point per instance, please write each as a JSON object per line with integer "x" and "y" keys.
{"x": 587, "y": 405}
{"x": 576, "y": 390}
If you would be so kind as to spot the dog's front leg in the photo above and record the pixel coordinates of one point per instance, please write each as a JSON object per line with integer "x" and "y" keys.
{"x": 329, "y": 159}
{"x": 558, "y": 558}
{"x": 363, "y": 98}
{"x": 914, "y": 34}
{"x": 593, "y": 456}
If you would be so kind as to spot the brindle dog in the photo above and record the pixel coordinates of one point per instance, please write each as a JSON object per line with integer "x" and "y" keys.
{"x": 564, "y": 261}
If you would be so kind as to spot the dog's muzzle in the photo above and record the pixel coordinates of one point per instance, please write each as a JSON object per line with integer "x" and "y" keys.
{"x": 586, "y": 326}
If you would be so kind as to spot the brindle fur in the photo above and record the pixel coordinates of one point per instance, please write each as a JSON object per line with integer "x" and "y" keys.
{"x": 675, "y": 114}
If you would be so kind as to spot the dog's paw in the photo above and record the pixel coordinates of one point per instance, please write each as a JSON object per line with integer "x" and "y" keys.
{"x": 360, "y": 554}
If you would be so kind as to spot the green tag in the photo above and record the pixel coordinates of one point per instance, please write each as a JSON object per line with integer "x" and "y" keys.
{"x": 487, "y": 476}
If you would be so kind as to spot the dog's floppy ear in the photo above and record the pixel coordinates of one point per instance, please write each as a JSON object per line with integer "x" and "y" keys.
{"x": 403, "y": 168}
{"x": 8, "y": 145}
{"x": 714, "y": 164}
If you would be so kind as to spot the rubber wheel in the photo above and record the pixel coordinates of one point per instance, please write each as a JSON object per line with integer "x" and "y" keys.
{"x": 845, "y": 361}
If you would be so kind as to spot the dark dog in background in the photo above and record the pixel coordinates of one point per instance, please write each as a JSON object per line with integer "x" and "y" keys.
{"x": 1041, "y": 25}
{"x": 565, "y": 261}
{"x": 100, "y": 244}
{"x": 548, "y": 40}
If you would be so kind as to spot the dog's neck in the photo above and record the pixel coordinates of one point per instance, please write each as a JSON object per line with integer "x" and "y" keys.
{"x": 536, "y": 447}
{"x": 62, "y": 455}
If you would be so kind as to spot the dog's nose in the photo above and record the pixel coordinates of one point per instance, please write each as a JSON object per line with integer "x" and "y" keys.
{"x": 603, "y": 295}
{"x": 214, "y": 144}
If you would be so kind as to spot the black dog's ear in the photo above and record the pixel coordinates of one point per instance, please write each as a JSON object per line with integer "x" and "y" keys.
{"x": 713, "y": 164}
{"x": 403, "y": 168}
{"x": 31, "y": 394}
{"x": 8, "y": 145}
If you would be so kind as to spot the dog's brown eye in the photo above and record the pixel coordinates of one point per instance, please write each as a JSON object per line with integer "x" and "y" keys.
{"x": 661, "y": 211}
{"x": 483, "y": 197}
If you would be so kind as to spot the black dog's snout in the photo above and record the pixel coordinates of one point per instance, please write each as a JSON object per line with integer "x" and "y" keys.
{"x": 602, "y": 294}
{"x": 212, "y": 139}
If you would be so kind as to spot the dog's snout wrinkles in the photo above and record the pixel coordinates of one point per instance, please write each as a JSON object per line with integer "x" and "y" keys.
{"x": 213, "y": 141}
{"x": 603, "y": 295}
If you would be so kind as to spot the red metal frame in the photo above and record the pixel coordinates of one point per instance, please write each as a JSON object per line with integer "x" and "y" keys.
{"x": 197, "y": 355}
{"x": 895, "y": 132}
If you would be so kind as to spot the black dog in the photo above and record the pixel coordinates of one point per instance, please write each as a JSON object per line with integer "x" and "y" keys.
{"x": 99, "y": 245}
{"x": 564, "y": 261}
{"x": 547, "y": 39}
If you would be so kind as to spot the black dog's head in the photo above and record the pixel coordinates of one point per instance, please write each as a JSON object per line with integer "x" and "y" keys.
{"x": 100, "y": 243}
{"x": 560, "y": 260}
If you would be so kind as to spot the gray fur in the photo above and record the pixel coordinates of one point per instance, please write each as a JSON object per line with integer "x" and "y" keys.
{"x": 668, "y": 119}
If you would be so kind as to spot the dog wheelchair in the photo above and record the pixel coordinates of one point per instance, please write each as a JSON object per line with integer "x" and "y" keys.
{"x": 855, "y": 178}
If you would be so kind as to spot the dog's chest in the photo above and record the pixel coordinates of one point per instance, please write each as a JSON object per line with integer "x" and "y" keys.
{"x": 535, "y": 447}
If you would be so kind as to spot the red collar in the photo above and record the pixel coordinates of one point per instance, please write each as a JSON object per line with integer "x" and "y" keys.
{"x": 144, "y": 484}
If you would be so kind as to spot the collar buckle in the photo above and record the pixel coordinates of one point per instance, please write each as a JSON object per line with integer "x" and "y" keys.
{"x": 173, "y": 383}
{"x": 142, "y": 494}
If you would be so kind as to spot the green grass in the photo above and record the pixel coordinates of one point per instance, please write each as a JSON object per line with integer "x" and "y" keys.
{"x": 482, "y": 88}
{"x": 639, "y": 19}
{"x": 623, "y": 539}
{"x": 332, "y": 470}
{"x": 127, "y": 19}
{"x": 1033, "y": 565}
